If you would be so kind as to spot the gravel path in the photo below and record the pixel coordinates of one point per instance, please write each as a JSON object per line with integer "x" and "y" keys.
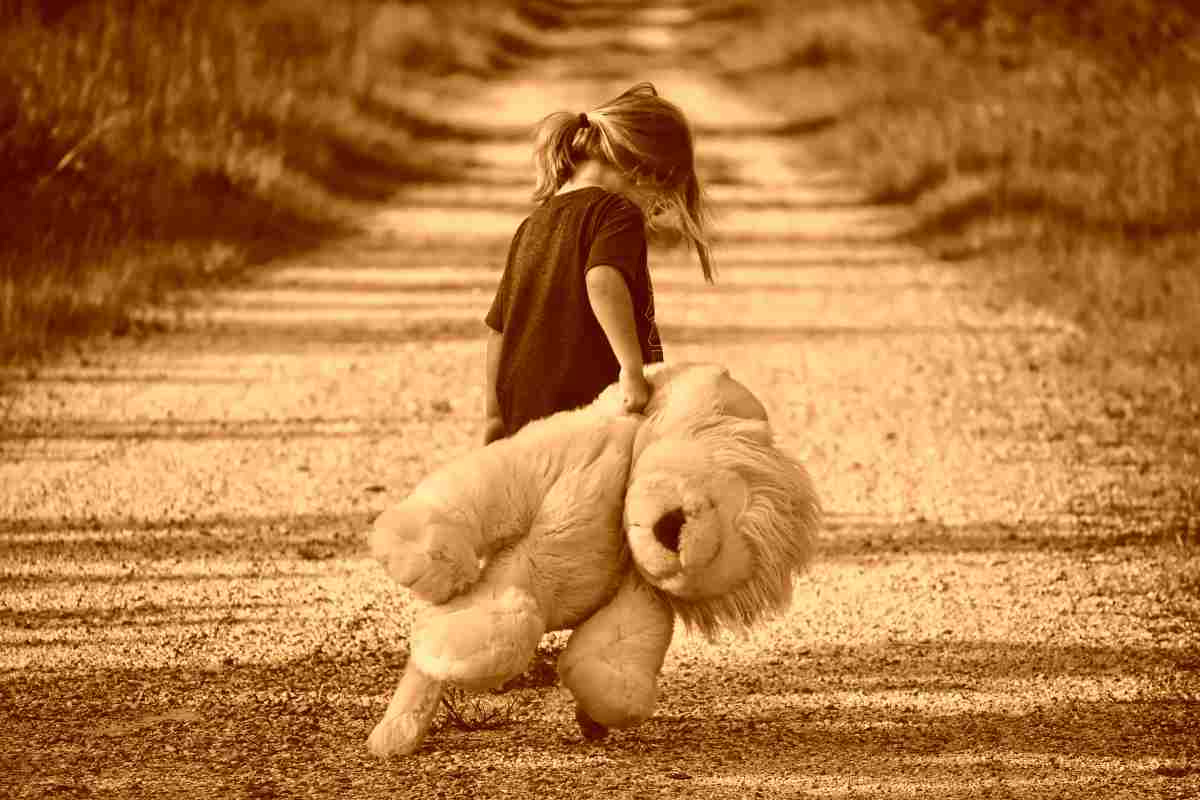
{"x": 1001, "y": 607}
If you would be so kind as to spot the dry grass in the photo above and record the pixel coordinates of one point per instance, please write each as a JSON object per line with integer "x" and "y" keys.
{"x": 145, "y": 145}
{"x": 511, "y": 703}
{"x": 1059, "y": 142}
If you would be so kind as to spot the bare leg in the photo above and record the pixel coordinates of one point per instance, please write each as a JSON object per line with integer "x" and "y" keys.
{"x": 408, "y": 715}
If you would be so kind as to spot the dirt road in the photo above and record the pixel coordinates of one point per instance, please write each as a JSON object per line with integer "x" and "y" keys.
{"x": 187, "y": 608}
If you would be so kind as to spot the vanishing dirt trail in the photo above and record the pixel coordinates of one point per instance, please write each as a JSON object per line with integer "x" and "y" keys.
{"x": 187, "y": 607}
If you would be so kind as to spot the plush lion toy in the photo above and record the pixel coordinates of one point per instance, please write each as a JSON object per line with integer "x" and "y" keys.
{"x": 606, "y": 524}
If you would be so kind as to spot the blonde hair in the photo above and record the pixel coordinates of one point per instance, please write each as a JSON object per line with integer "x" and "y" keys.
{"x": 648, "y": 140}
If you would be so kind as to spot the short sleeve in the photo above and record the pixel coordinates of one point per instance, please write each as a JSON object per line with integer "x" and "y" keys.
{"x": 620, "y": 239}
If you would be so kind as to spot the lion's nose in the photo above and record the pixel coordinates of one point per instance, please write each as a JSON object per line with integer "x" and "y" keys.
{"x": 667, "y": 529}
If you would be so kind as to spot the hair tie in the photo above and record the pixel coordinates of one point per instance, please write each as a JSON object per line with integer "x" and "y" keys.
{"x": 583, "y": 120}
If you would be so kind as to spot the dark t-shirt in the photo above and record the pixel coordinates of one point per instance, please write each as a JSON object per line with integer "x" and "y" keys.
{"x": 553, "y": 353}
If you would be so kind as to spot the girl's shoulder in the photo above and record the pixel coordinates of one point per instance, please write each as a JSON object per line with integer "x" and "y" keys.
{"x": 606, "y": 204}
{"x": 621, "y": 203}
{"x": 590, "y": 207}
{"x": 594, "y": 197}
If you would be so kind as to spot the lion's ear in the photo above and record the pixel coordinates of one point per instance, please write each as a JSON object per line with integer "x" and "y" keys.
{"x": 735, "y": 400}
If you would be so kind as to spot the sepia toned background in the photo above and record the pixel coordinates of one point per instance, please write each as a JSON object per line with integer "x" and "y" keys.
{"x": 245, "y": 251}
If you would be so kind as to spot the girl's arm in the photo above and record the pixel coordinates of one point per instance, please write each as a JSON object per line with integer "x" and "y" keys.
{"x": 613, "y": 307}
{"x": 493, "y": 427}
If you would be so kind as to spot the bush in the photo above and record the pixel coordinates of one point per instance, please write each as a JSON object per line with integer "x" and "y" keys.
{"x": 1048, "y": 138}
{"x": 149, "y": 143}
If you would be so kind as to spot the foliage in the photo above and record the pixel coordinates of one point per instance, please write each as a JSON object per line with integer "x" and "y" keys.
{"x": 1059, "y": 142}
{"x": 145, "y": 144}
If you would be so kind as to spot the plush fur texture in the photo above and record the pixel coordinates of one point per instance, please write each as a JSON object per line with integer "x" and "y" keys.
{"x": 757, "y": 500}
{"x": 609, "y": 525}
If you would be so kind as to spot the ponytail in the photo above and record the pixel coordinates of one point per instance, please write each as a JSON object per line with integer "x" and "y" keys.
{"x": 560, "y": 146}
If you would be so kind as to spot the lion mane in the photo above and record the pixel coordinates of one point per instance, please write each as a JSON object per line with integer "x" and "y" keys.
{"x": 780, "y": 514}
{"x": 707, "y": 443}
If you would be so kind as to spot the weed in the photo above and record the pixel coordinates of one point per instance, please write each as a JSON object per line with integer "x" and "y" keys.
{"x": 509, "y": 703}
{"x": 479, "y": 712}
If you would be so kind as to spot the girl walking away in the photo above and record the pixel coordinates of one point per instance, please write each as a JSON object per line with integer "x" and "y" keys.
{"x": 575, "y": 307}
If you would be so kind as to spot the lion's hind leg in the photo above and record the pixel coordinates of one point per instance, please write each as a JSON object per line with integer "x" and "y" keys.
{"x": 612, "y": 660}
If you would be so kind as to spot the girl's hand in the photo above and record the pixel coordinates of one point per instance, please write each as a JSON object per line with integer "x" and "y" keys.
{"x": 636, "y": 390}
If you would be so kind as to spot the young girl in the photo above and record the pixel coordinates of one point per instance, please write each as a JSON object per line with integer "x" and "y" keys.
{"x": 575, "y": 307}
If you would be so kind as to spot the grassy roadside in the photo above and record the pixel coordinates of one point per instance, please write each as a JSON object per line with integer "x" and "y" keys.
{"x": 150, "y": 145}
{"x": 1056, "y": 144}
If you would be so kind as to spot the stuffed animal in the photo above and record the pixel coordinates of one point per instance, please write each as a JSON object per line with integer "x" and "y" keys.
{"x": 605, "y": 524}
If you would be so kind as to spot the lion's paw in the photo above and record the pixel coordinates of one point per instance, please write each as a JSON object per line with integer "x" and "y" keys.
{"x": 435, "y": 561}
{"x": 478, "y": 640}
{"x": 399, "y": 735}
